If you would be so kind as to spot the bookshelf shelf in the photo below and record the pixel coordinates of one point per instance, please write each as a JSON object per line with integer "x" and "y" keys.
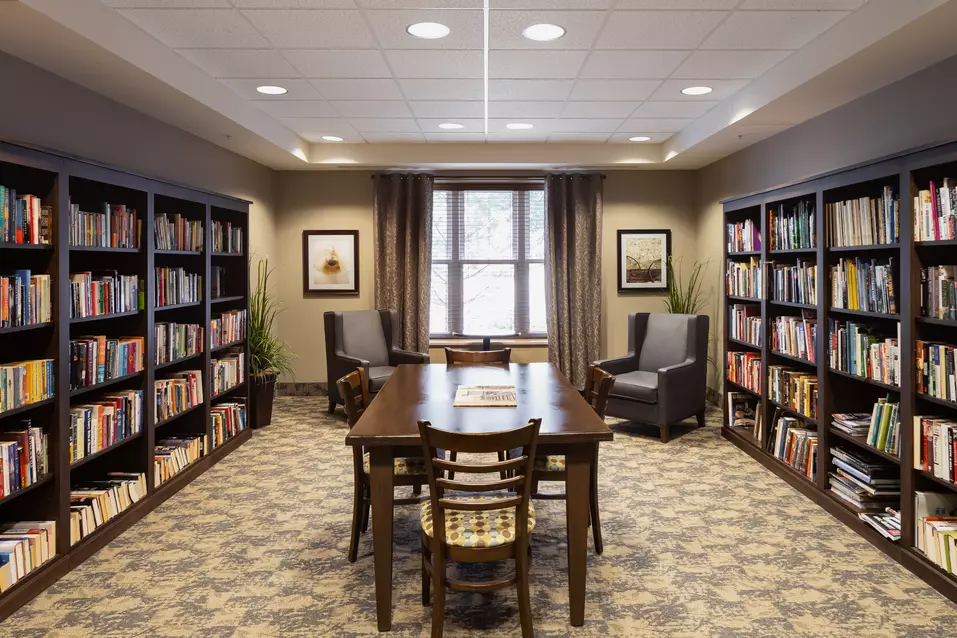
{"x": 938, "y": 480}
{"x": 794, "y": 251}
{"x": 745, "y": 253}
{"x": 114, "y": 315}
{"x": 861, "y": 441}
{"x": 160, "y": 366}
{"x": 743, "y": 434}
{"x": 43, "y": 480}
{"x": 935, "y": 243}
{"x": 793, "y": 412}
{"x": 109, "y": 448}
{"x": 219, "y": 395}
{"x": 178, "y": 415}
{"x": 742, "y": 388}
{"x": 220, "y": 254}
{"x": 791, "y": 357}
{"x": 104, "y": 384}
{"x": 103, "y": 249}
{"x": 950, "y": 323}
{"x": 744, "y": 299}
{"x": 863, "y": 313}
{"x": 743, "y": 343}
{"x": 793, "y": 304}
{"x": 231, "y": 344}
{"x": 26, "y": 408}
{"x": 181, "y": 253}
{"x": 32, "y": 326}
{"x": 178, "y": 306}
{"x": 228, "y": 299}
{"x": 5, "y": 245}
{"x": 799, "y": 474}
{"x": 943, "y": 402}
{"x": 856, "y": 377}
{"x": 862, "y": 249}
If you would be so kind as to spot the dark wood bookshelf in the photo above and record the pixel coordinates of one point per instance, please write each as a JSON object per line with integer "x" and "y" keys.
{"x": 229, "y": 390}
{"x": 744, "y": 434}
{"x": 160, "y": 366}
{"x": 793, "y": 412}
{"x": 791, "y": 357}
{"x": 59, "y": 180}
{"x": 228, "y": 299}
{"x": 744, "y": 299}
{"x": 746, "y": 344}
{"x": 178, "y": 415}
{"x": 745, "y": 253}
{"x": 221, "y": 254}
{"x": 937, "y": 479}
{"x": 906, "y": 174}
{"x": 739, "y": 387}
{"x": 792, "y": 304}
{"x": 231, "y": 344}
{"x": 178, "y": 306}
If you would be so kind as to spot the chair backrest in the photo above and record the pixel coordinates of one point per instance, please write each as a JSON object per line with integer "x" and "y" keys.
{"x": 598, "y": 385}
{"x": 363, "y": 336}
{"x": 516, "y": 487}
{"x": 478, "y": 356}
{"x": 354, "y": 392}
{"x": 666, "y": 342}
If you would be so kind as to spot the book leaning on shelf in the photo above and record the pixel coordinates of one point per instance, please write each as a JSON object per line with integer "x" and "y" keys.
{"x": 744, "y": 237}
{"x": 883, "y": 432}
{"x": 24, "y": 457}
{"x": 228, "y": 327}
{"x": 864, "y": 221}
{"x": 176, "y": 286}
{"x": 742, "y": 410}
{"x": 98, "y": 359}
{"x": 98, "y": 425}
{"x": 793, "y": 227}
{"x": 938, "y": 292}
{"x": 178, "y": 393}
{"x": 103, "y": 293}
{"x": 935, "y": 212}
{"x": 171, "y": 456}
{"x": 24, "y": 219}
{"x": 228, "y": 419}
{"x": 744, "y": 369}
{"x": 112, "y": 227}
{"x": 24, "y": 547}
{"x": 864, "y": 480}
{"x": 227, "y": 238}
{"x": 95, "y": 503}
{"x": 794, "y": 284}
{"x": 744, "y": 279}
{"x": 25, "y": 299}
{"x": 795, "y": 445}
{"x": 177, "y": 340}
{"x": 862, "y": 284}
{"x": 25, "y": 382}
{"x": 854, "y": 350}
{"x": 795, "y": 336}
{"x": 744, "y": 322}
{"x": 227, "y": 371}
{"x": 175, "y": 232}
{"x": 937, "y": 370}
{"x": 795, "y": 389}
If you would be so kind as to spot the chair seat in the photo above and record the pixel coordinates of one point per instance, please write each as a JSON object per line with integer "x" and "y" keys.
{"x": 402, "y": 466}
{"x": 637, "y": 386}
{"x": 378, "y": 375}
{"x": 550, "y": 463}
{"x": 464, "y": 528}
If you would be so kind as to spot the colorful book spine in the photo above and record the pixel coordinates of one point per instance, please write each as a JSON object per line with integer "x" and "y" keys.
{"x": 114, "y": 226}
{"x": 228, "y": 327}
{"x": 176, "y": 286}
{"x": 98, "y": 425}
{"x": 864, "y": 221}
{"x": 26, "y": 382}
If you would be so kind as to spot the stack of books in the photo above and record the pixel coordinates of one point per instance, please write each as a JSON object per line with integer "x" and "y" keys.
{"x": 883, "y": 432}
{"x": 794, "y": 444}
{"x": 24, "y": 456}
{"x": 176, "y": 286}
{"x": 25, "y": 299}
{"x": 935, "y": 212}
{"x": 936, "y": 523}
{"x": 171, "y": 456}
{"x": 178, "y": 393}
{"x": 744, "y": 237}
{"x": 795, "y": 336}
{"x": 864, "y": 285}
{"x": 98, "y": 425}
{"x": 24, "y": 547}
{"x": 24, "y": 219}
{"x": 793, "y": 388}
{"x": 97, "y": 359}
{"x": 104, "y": 293}
{"x": 936, "y": 370}
{"x": 112, "y": 227}
{"x": 95, "y": 503}
{"x": 175, "y": 232}
{"x": 745, "y": 279}
{"x": 744, "y": 322}
{"x": 864, "y": 480}
{"x": 938, "y": 292}
{"x": 854, "y": 350}
{"x": 25, "y": 382}
{"x": 887, "y": 523}
{"x": 853, "y": 423}
{"x": 177, "y": 340}
{"x": 228, "y": 372}
{"x": 794, "y": 284}
{"x": 864, "y": 221}
{"x": 793, "y": 226}
{"x": 744, "y": 369}
{"x": 229, "y": 419}
{"x": 934, "y": 446}
{"x": 227, "y": 238}
{"x": 230, "y": 327}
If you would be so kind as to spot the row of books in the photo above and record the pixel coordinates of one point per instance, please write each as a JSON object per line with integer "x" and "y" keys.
{"x": 744, "y": 369}
{"x": 177, "y": 340}
{"x": 935, "y": 212}
{"x": 795, "y": 336}
{"x": 795, "y": 445}
{"x": 25, "y": 299}
{"x": 228, "y": 327}
{"x": 227, "y": 238}
{"x": 795, "y": 389}
{"x": 745, "y": 279}
{"x": 744, "y": 323}
{"x": 936, "y": 528}
{"x": 93, "y": 295}
{"x": 178, "y": 393}
{"x": 855, "y": 350}
{"x": 24, "y": 547}
{"x": 880, "y": 429}
{"x": 24, "y": 457}
{"x": 24, "y": 219}
{"x": 95, "y": 503}
{"x": 97, "y": 359}
{"x": 744, "y": 236}
{"x": 176, "y": 286}
{"x": 934, "y": 446}
{"x": 171, "y": 456}
{"x": 98, "y": 425}
{"x": 227, "y": 372}
{"x": 25, "y": 382}
{"x": 794, "y": 283}
{"x": 938, "y": 292}
{"x": 228, "y": 419}
{"x": 793, "y": 227}
{"x": 937, "y": 370}
{"x": 864, "y": 480}
{"x": 864, "y": 221}
{"x": 113, "y": 226}
{"x": 862, "y": 284}
{"x": 176, "y": 232}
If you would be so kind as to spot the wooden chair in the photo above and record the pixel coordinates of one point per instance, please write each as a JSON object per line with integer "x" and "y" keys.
{"x": 478, "y": 356}
{"x": 354, "y": 392}
{"x": 477, "y": 528}
{"x": 551, "y": 467}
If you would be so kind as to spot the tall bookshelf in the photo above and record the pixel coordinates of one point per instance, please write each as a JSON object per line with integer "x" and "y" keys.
{"x": 905, "y": 174}
{"x": 59, "y": 180}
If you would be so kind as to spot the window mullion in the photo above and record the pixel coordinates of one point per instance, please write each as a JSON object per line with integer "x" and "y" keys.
{"x": 455, "y": 265}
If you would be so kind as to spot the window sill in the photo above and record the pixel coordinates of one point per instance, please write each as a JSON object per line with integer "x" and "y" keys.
{"x": 512, "y": 342}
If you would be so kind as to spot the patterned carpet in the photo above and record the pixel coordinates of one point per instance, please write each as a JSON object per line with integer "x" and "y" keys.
{"x": 700, "y": 540}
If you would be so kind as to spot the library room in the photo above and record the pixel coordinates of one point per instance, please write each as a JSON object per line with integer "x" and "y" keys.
{"x": 470, "y": 318}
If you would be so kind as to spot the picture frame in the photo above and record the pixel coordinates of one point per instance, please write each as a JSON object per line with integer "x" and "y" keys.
{"x": 330, "y": 263}
{"x": 643, "y": 259}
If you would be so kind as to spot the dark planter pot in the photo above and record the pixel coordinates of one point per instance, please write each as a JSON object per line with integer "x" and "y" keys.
{"x": 263, "y": 392}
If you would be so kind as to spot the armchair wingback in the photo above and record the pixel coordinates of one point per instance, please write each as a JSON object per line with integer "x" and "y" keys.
{"x": 662, "y": 380}
{"x": 363, "y": 339}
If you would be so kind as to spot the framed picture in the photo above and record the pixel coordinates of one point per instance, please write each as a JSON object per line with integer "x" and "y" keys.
{"x": 643, "y": 259}
{"x": 330, "y": 262}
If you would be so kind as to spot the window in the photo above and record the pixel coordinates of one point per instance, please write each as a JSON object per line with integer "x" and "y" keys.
{"x": 488, "y": 262}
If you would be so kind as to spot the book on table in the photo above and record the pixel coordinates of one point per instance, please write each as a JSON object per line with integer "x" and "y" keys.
{"x": 485, "y": 396}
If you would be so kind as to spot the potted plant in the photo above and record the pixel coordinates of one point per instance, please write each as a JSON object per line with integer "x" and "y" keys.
{"x": 269, "y": 355}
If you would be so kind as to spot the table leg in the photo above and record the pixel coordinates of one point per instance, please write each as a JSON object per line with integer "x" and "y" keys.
{"x": 578, "y": 461}
{"x": 381, "y": 481}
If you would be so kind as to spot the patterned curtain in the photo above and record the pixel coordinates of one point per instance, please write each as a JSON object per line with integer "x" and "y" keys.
{"x": 402, "y": 236}
{"x": 573, "y": 207}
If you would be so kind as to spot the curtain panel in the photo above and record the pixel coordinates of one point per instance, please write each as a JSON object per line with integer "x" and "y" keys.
{"x": 402, "y": 249}
{"x": 573, "y": 212}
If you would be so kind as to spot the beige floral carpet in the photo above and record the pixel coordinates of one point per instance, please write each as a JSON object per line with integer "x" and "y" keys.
{"x": 700, "y": 540}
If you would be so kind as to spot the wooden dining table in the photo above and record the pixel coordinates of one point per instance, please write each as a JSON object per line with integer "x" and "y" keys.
{"x": 387, "y": 429}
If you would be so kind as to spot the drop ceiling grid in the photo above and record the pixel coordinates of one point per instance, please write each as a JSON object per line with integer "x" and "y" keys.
{"x": 372, "y": 82}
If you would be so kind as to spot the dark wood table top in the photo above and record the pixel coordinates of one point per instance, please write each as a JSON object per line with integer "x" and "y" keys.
{"x": 416, "y": 392}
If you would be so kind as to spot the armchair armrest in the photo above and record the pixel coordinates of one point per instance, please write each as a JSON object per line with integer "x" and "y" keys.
{"x": 346, "y": 361}
{"x": 681, "y": 390}
{"x": 398, "y": 357}
{"x": 620, "y": 365}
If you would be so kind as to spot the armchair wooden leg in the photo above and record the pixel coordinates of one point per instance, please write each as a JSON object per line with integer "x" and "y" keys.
{"x": 665, "y": 433}
{"x": 332, "y": 405}
{"x": 700, "y": 417}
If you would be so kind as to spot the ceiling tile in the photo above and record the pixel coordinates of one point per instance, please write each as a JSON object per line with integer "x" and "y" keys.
{"x": 384, "y": 125}
{"x": 366, "y": 89}
{"x": 296, "y": 108}
{"x": 379, "y": 137}
{"x": 632, "y": 64}
{"x": 240, "y": 63}
{"x": 599, "y": 109}
{"x": 372, "y": 108}
{"x": 771, "y": 29}
{"x": 670, "y": 90}
{"x": 309, "y": 29}
{"x": 544, "y": 110}
{"x": 579, "y": 125}
{"x": 533, "y": 90}
{"x": 594, "y": 138}
{"x": 443, "y": 89}
{"x": 729, "y": 64}
{"x": 655, "y": 137}
{"x": 674, "y": 109}
{"x": 613, "y": 90}
{"x": 197, "y": 29}
{"x": 639, "y": 125}
{"x": 535, "y": 64}
{"x": 167, "y": 4}
{"x": 448, "y": 109}
{"x": 297, "y": 89}
{"x": 699, "y": 5}
{"x": 436, "y": 64}
{"x": 317, "y": 127}
{"x": 581, "y": 27}
{"x": 471, "y": 125}
{"x": 294, "y": 4}
{"x": 453, "y": 137}
{"x": 314, "y": 63}
{"x": 541, "y": 126}
{"x": 658, "y": 29}
{"x": 807, "y": 5}
{"x": 390, "y": 27}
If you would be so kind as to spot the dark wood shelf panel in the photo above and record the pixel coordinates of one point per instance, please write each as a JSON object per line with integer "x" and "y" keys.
{"x": 222, "y": 254}
{"x": 793, "y": 251}
{"x": 26, "y": 328}
{"x": 160, "y": 366}
{"x": 869, "y": 248}
{"x": 951, "y": 486}
{"x": 6, "y": 245}
{"x": 43, "y": 480}
{"x": 743, "y": 388}
{"x": 26, "y": 408}
{"x": 935, "y": 243}
{"x": 793, "y": 304}
{"x": 791, "y": 357}
{"x": 863, "y": 313}
{"x": 109, "y": 448}
{"x": 113, "y": 315}
{"x": 104, "y": 384}
{"x": 176, "y": 416}
{"x": 861, "y": 441}
{"x": 227, "y": 391}
{"x": 793, "y": 470}
{"x": 231, "y": 344}
{"x": 744, "y": 434}
{"x": 857, "y": 377}
{"x": 744, "y": 299}
{"x": 177, "y": 252}
{"x": 191, "y": 304}
{"x": 950, "y": 323}
{"x": 744, "y": 253}
{"x": 103, "y": 249}
{"x": 228, "y": 299}
{"x": 793, "y": 412}
{"x": 927, "y": 397}
{"x": 743, "y": 343}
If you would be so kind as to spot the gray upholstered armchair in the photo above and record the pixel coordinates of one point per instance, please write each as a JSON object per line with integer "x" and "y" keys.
{"x": 662, "y": 380}
{"x": 363, "y": 339}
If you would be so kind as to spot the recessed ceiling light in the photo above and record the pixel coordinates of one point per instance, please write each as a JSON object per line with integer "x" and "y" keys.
{"x": 428, "y": 30}
{"x": 697, "y": 90}
{"x": 449, "y": 126}
{"x": 639, "y": 138}
{"x": 271, "y": 90}
{"x": 518, "y": 126}
{"x": 332, "y": 138}
{"x": 543, "y": 32}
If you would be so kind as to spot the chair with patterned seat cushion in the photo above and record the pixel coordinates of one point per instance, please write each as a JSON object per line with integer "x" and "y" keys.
{"x": 408, "y": 470}
{"x": 477, "y": 521}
